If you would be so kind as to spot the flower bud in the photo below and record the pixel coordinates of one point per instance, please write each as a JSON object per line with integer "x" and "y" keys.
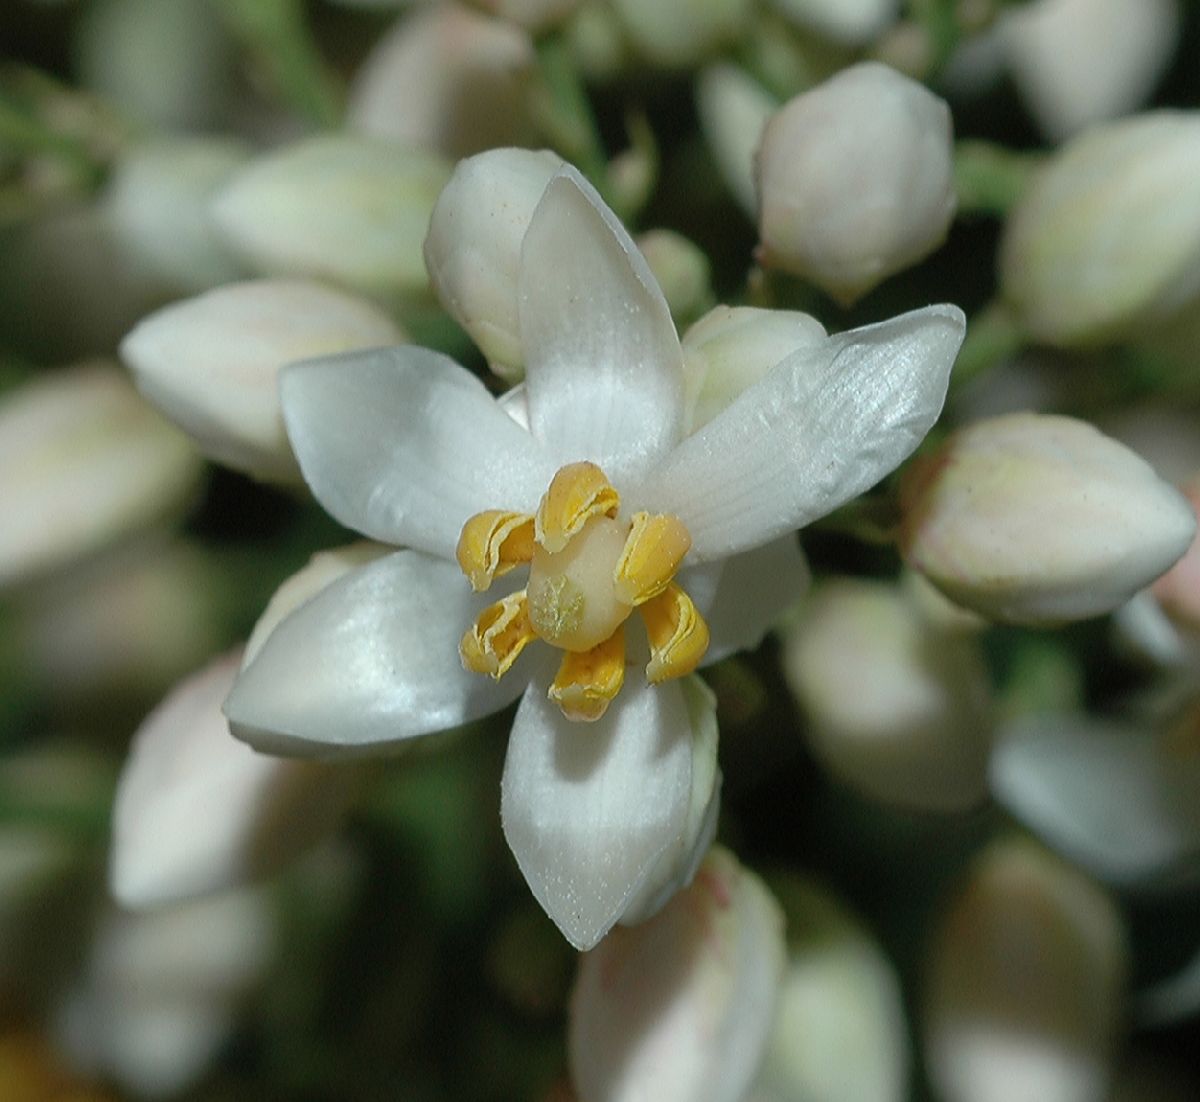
{"x": 164, "y": 63}
{"x": 679, "y": 33}
{"x": 157, "y": 203}
{"x": 839, "y": 1031}
{"x": 850, "y": 22}
{"x": 339, "y": 207}
{"x": 1107, "y": 237}
{"x": 682, "y": 271}
{"x": 211, "y": 363}
{"x": 679, "y": 862}
{"x": 896, "y": 708}
{"x": 1178, "y": 590}
{"x": 161, "y": 989}
{"x": 855, "y": 180}
{"x": 196, "y": 811}
{"x": 534, "y": 15}
{"x": 1118, "y": 51}
{"x": 446, "y": 78}
{"x": 127, "y": 625}
{"x": 680, "y": 1007}
{"x": 1039, "y": 519}
{"x": 1056, "y": 774}
{"x": 473, "y": 247}
{"x": 733, "y": 109}
{"x": 1025, "y": 989}
{"x": 84, "y": 462}
{"x": 732, "y": 347}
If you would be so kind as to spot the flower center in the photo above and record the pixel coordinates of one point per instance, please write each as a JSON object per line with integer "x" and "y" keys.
{"x": 573, "y": 602}
{"x": 588, "y": 571}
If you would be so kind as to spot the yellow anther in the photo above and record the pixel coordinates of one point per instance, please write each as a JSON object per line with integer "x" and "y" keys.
{"x": 578, "y": 492}
{"x": 652, "y": 554}
{"x": 497, "y": 637}
{"x": 492, "y": 543}
{"x": 587, "y": 681}
{"x": 677, "y": 632}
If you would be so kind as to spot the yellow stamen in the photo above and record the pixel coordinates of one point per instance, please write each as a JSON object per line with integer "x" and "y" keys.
{"x": 677, "y": 632}
{"x": 655, "y": 548}
{"x": 587, "y": 681}
{"x": 492, "y": 543}
{"x": 497, "y": 637}
{"x": 578, "y": 492}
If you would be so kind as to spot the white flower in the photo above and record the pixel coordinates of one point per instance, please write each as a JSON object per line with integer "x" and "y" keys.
{"x": 409, "y": 448}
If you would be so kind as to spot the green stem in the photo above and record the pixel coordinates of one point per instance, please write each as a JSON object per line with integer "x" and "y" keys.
{"x": 277, "y": 33}
{"x": 990, "y": 179}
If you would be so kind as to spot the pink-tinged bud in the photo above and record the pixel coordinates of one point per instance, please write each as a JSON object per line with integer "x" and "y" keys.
{"x": 446, "y": 78}
{"x": 211, "y": 363}
{"x": 897, "y": 707}
{"x": 84, "y": 463}
{"x": 161, "y": 991}
{"x": 855, "y": 180}
{"x": 1039, "y": 519}
{"x": 679, "y": 1009}
{"x": 1107, "y": 237}
{"x": 473, "y": 247}
{"x": 196, "y": 811}
{"x": 1178, "y": 590}
{"x": 1025, "y": 989}
{"x": 1080, "y": 62}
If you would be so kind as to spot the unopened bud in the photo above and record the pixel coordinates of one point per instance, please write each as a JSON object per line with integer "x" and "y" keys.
{"x": 855, "y": 180}
{"x": 1107, "y": 237}
{"x": 839, "y": 1031}
{"x": 679, "y": 33}
{"x": 473, "y": 248}
{"x": 679, "y": 1009}
{"x": 446, "y": 78}
{"x": 157, "y": 204}
{"x": 1118, "y": 51}
{"x": 161, "y": 991}
{"x": 896, "y": 708}
{"x": 84, "y": 462}
{"x": 339, "y": 207}
{"x": 1026, "y": 984}
{"x": 534, "y": 15}
{"x": 1055, "y": 773}
{"x": 212, "y": 363}
{"x": 733, "y": 109}
{"x": 196, "y": 811}
{"x": 682, "y": 270}
{"x": 1039, "y": 519}
{"x": 851, "y": 22}
{"x": 732, "y": 347}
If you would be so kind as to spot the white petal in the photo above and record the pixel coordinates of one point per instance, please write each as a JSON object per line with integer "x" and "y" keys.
{"x": 822, "y": 427}
{"x": 589, "y": 807}
{"x": 404, "y": 445}
{"x": 753, "y": 590}
{"x": 602, "y": 361}
{"x": 197, "y": 811}
{"x": 1117, "y": 800}
{"x": 368, "y": 662}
